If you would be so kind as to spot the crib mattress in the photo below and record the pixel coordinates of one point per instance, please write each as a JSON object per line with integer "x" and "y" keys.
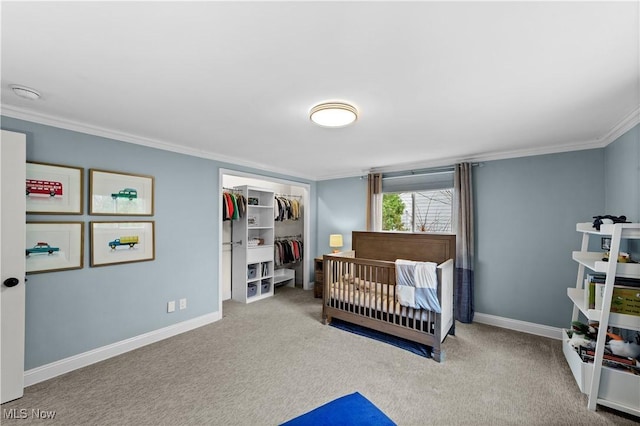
{"x": 377, "y": 296}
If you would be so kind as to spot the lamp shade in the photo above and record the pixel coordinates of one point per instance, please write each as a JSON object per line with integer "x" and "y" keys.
{"x": 335, "y": 241}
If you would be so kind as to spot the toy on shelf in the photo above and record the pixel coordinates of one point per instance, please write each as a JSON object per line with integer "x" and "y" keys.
{"x": 618, "y": 346}
{"x": 608, "y": 219}
{"x": 582, "y": 335}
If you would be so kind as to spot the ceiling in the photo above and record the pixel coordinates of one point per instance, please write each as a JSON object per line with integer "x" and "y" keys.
{"x": 435, "y": 82}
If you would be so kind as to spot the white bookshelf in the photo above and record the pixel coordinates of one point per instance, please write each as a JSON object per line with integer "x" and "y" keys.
{"x": 605, "y": 386}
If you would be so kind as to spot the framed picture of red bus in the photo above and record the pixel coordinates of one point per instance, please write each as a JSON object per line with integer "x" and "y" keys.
{"x": 54, "y": 189}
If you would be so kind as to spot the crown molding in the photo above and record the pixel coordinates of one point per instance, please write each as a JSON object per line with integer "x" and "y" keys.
{"x": 627, "y": 123}
{"x": 497, "y": 155}
{"x": 624, "y": 125}
{"x": 62, "y": 123}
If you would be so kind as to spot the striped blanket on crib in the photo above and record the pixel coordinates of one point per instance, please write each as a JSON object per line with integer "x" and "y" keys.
{"x": 417, "y": 284}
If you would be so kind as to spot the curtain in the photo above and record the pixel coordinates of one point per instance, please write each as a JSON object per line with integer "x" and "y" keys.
{"x": 374, "y": 202}
{"x": 463, "y": 214}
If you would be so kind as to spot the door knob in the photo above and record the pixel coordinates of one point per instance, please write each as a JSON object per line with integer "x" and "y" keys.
{"x": 11, "y": 282}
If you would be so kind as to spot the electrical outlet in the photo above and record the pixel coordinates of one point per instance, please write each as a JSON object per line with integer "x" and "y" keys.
{"x": 183, "y": 303}
{"x": 171, "y": 306}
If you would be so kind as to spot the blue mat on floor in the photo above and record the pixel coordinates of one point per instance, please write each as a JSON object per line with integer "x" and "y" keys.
{"x": 408, "y": 345}
{"x": 349, "y": 410}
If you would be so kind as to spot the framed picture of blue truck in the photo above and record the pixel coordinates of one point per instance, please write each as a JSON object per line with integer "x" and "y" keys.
{"x": 122, "y": 242}
{"x": 130, "y": 240}
{"x": 116, "y": 193}
{"x": 54, "y": 246}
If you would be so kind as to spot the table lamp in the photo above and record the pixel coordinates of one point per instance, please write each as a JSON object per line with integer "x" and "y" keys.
{"x": 335, "y": 242}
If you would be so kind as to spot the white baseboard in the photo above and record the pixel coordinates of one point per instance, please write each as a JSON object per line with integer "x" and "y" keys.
{"x": 517, "y": 325}
{"x": 54, "y": 369}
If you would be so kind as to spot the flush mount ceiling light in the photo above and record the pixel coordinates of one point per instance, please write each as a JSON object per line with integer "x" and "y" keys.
{"x": 333, "y": 114}
{"x": 25, "y": 92}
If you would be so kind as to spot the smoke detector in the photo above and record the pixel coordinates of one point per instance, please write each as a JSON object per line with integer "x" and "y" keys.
{"x": 25, "y": 92}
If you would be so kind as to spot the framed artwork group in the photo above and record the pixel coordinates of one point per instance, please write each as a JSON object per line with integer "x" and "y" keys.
{"x": 54, "y": 189}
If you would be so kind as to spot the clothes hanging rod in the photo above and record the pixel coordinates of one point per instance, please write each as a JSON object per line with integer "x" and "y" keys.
{"x": 286, "y": 237}
{"x": 288, "y": 195}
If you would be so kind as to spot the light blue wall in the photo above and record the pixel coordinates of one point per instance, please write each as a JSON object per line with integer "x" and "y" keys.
{"x": 341, "y": 209}
{"x": 71, "y": 312}
{"x": 622, "y": 176}
{"x": 622, "y": 181}
{"x": 526, "y": 214}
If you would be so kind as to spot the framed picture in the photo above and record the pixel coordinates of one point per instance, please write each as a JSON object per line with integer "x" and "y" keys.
{"x": 54, "y": 246}
{"x": 113, "y": 193}
{"x": 121, "y": 242}
{"x": 54, "y": 189}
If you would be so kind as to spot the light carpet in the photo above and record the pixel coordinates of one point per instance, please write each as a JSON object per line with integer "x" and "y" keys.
{"x": 267, "y": 362}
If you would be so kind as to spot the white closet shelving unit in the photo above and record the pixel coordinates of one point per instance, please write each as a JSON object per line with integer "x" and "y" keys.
{"x": 253, "y": 236}
{"x": 606, "y": 386}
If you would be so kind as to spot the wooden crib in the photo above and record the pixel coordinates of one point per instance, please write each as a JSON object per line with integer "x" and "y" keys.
{"x": 360, "y": 286}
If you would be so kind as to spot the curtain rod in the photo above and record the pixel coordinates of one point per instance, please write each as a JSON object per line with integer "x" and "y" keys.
{"x": 419, "y": 172}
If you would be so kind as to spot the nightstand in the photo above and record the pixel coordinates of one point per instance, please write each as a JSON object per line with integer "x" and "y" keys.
{"x": 318, "y": 280}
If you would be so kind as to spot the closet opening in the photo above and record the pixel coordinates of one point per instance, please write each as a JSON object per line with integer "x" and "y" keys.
{"x": 266, "y": 244}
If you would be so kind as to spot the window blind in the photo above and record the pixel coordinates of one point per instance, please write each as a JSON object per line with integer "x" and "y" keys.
{"x": 418, "y": 181}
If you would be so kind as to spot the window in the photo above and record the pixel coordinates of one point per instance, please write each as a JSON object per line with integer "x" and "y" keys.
{"x": 420, "y": 211}
{"x": 418, "y": 202}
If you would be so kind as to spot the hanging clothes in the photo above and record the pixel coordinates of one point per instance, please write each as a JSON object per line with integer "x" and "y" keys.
{"x": 288, "y": 250}
{"x": 235, "y": 215}
{"x": 234, "y": 206}
{"x": 286, "y": 208}
{"x": 295, "y": 209}
{"x": 242, "y": 205}
{"x": 226, "y": 202}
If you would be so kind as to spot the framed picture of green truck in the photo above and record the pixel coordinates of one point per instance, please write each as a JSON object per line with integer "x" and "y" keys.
{"x": 53, "y": 246}
{"x": 122, "y": 242}
{"x": 115, "y": 193}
